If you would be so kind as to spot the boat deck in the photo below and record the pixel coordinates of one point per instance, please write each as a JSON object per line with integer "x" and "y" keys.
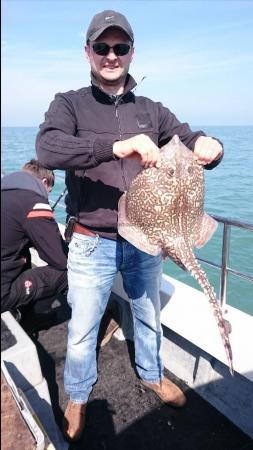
{"x": 121, "y": 414}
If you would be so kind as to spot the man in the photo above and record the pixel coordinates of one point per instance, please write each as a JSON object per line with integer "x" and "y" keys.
{"x": 27, "y": 221}
{"x": 102, "y": 135}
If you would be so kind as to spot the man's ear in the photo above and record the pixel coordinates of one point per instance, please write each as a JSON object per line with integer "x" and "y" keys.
{"x": 87, "y": 51}
{"x": 132, "y": 56}
{"x": 45, "y": 182}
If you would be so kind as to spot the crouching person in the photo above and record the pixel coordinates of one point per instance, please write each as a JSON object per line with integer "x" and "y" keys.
{"x": 27, "y": 221}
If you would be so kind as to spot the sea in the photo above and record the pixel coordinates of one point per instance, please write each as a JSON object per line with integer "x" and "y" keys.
{"x": 228, "y": 193}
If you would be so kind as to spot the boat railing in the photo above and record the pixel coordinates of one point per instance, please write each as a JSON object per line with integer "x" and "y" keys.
{"x": 224, "y": 267}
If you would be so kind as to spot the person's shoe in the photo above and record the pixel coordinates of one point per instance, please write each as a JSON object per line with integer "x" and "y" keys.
{"x": 74, "y": 421}
{"x": 16, "y": 314}
{"x": 33, "y": 322}
{"x": 167, "y": 391}
{"x": 107, "y": 335}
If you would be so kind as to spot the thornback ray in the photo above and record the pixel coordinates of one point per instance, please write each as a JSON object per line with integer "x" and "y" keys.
{"x": 163, "y": 212}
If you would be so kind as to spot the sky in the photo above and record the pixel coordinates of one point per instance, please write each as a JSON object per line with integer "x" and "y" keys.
{"x": 197, "y": 56}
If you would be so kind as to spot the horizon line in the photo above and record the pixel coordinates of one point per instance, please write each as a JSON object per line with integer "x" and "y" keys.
{"x": 192, "y": 125}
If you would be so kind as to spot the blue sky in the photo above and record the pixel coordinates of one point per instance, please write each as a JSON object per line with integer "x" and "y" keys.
{"x": 197, "y": 56}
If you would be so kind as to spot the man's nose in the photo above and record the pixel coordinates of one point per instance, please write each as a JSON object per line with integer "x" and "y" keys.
{"x": 111, "y": 55}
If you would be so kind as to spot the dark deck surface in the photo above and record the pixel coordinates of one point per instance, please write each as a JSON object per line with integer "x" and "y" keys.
{"x": 121, "y": 415}
{"x": 15, "y": 433}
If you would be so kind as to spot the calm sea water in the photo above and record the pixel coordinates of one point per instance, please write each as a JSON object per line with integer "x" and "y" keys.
{"x": 229, "y": 193}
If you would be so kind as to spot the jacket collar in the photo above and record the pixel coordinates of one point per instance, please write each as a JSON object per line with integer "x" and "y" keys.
{"x": 104, "y": 97}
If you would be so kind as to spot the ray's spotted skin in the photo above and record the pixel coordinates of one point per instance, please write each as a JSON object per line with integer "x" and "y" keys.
{"x": 162, "y": 211}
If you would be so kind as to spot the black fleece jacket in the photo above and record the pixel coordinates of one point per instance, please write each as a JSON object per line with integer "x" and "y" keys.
{"x": 78, "y": 134}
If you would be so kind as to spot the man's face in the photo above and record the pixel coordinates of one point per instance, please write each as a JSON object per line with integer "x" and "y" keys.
{"x": 110, "y": 69}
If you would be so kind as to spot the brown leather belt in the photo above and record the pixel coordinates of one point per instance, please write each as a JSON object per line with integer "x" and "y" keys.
{"x": 82, "y": 230}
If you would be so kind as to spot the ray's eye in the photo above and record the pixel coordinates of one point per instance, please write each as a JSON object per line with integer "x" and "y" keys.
{"x": 190, "y": 170}
{"x": 170, "y": 172}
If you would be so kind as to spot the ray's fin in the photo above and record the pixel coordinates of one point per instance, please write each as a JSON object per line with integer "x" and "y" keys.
{"x": 134, "y": 234}
{"x": 207, "y": 228}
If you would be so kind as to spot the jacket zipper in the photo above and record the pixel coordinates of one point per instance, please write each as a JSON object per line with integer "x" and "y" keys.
{"x": 120, "y": 135}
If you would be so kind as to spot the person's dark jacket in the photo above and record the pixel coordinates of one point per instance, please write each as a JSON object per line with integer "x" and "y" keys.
{"x": 27, "y": 221}
{"x": 78, "y": 134}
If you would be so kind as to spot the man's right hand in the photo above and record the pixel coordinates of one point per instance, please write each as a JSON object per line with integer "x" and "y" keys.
{"x": 140, "y": 146}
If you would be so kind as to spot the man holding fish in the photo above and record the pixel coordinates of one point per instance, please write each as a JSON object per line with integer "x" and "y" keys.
{"x": 103, "y": 135}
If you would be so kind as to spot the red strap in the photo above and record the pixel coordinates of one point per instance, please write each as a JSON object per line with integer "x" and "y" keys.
{"x": 33, "y": 214}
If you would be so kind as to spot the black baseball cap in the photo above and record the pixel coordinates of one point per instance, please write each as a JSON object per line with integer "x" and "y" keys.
{"x": 107, "y": 19}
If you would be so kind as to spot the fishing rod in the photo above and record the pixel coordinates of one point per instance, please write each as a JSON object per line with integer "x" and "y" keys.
{"x": 59, "y": 198}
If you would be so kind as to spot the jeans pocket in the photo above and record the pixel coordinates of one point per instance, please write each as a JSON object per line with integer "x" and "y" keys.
{"x": 83, "y": 246}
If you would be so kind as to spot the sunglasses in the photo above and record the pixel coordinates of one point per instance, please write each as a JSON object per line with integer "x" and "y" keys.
{"x": 102, "y": 49}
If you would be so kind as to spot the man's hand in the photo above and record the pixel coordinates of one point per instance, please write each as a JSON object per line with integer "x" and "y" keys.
{"x": 140, "y": 146}
{"x": 207, "y": 150}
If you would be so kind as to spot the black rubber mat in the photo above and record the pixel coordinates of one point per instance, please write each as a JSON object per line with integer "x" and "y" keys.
{"x": 122, "y": 415}
{"x": 7, "y": 338}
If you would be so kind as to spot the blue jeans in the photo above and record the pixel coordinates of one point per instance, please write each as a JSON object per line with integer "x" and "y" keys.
{"x": 93, "y": 263}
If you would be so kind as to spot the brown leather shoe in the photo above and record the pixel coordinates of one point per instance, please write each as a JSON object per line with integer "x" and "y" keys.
{"x": 112, "y": 326}
{"x": 74, "y": 421}
{"x": 167, "y": 391}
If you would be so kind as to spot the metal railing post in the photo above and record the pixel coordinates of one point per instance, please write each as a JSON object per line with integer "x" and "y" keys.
{"x": 224, "y": 263}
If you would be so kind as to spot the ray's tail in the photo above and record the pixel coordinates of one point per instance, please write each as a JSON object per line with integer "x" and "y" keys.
{"x": 189, "y": 260}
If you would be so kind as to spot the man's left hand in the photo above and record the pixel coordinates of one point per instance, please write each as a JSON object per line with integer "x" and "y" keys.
{"x": 207, "y": 150}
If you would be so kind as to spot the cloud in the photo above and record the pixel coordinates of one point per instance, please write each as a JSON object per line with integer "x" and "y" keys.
{"x": 28, "y": 89}
{"x": 195, "y": 63}
{"x": 188, "y": 81}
